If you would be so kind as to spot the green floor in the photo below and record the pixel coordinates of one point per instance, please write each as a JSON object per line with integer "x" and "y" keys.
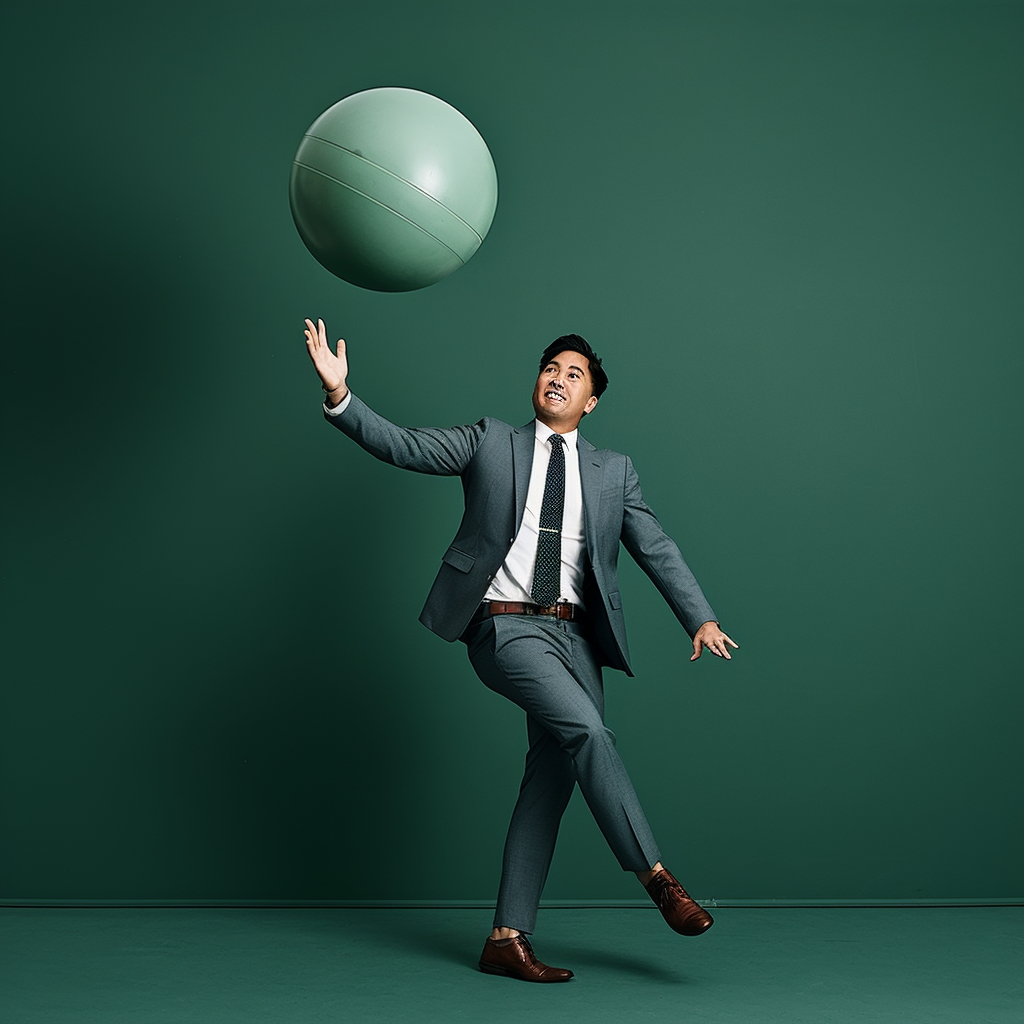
{"x": 848, "y": 966}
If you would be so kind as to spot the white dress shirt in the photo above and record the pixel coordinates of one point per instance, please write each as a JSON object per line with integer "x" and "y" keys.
{"x": 514, "y": 580}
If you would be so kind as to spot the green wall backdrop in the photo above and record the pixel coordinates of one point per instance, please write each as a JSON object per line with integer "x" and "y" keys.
{"x": 793, "y": 229}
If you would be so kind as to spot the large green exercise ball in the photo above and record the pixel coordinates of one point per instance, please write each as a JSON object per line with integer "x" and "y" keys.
{"x": 392, "y": 189}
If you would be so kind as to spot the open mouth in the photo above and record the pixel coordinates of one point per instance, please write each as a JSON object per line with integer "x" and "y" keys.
{"x": 556, "y": 395}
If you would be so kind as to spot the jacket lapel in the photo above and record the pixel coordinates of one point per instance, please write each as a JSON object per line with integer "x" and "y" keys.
{"x": 590, "y": 484}
{"x": 523, "y": 441}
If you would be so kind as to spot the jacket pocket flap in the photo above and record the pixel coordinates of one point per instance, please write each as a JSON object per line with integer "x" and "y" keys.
{"x": 459, "y": 559}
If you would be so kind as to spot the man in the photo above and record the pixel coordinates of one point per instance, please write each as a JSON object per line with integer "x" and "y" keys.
{"x": 530, "y": 585}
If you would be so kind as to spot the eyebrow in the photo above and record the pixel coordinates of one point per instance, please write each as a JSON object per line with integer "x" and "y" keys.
{"x": 579, "y": 369}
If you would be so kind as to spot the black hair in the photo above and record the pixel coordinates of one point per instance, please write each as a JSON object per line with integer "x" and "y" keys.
{"x": 574, "y": 343}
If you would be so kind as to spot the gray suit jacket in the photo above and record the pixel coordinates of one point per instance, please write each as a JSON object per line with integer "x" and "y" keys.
{"x": 494, "y": 461}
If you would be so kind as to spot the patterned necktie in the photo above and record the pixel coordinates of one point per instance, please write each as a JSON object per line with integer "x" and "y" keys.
{"x": 547, "y": 571}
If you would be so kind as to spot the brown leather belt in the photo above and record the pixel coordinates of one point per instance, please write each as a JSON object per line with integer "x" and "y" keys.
{"x": 563, "y": 610}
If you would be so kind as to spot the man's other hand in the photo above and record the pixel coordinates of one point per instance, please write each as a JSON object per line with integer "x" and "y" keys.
{"x": 711, "y": 637}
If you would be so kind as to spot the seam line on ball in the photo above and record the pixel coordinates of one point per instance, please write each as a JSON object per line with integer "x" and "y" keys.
{"x": 397, "y": 177}
{"x": 384, "y": 206}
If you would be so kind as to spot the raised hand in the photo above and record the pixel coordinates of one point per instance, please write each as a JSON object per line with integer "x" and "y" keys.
{"x": 330, "y": 367}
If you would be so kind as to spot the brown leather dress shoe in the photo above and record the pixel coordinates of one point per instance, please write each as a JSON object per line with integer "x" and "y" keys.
{"x": 679, "y": 910}
{"x": 515, "y": 958}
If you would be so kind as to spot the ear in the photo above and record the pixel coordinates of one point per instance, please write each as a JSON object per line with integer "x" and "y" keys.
{"x": 591, "y": 402}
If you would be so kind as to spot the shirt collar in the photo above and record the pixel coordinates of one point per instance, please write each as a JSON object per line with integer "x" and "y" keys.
{"x": 543, "y": 432}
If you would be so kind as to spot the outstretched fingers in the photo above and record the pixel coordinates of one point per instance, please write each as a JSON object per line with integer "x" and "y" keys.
{"x": 316, "y": 339}
{"x": 720, "y": 646}
{"x": 312, "y": 337}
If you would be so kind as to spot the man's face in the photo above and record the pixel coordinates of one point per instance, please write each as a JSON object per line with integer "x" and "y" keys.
{"x": 563, "y": 393}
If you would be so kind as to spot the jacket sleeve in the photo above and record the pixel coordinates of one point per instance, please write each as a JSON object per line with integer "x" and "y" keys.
{"x": 441, "y": 451}
{"x": 659, "y": 556}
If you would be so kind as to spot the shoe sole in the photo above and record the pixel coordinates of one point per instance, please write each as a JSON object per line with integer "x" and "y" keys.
{"x": 503, "y": 972}
{"x": 693, "y": 934}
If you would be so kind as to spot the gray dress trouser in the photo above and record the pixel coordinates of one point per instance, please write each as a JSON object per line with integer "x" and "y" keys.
{"x": 547, "y": 667}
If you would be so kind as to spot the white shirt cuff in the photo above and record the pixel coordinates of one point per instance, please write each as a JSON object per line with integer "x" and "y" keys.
{"x": 340, "y": 407}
